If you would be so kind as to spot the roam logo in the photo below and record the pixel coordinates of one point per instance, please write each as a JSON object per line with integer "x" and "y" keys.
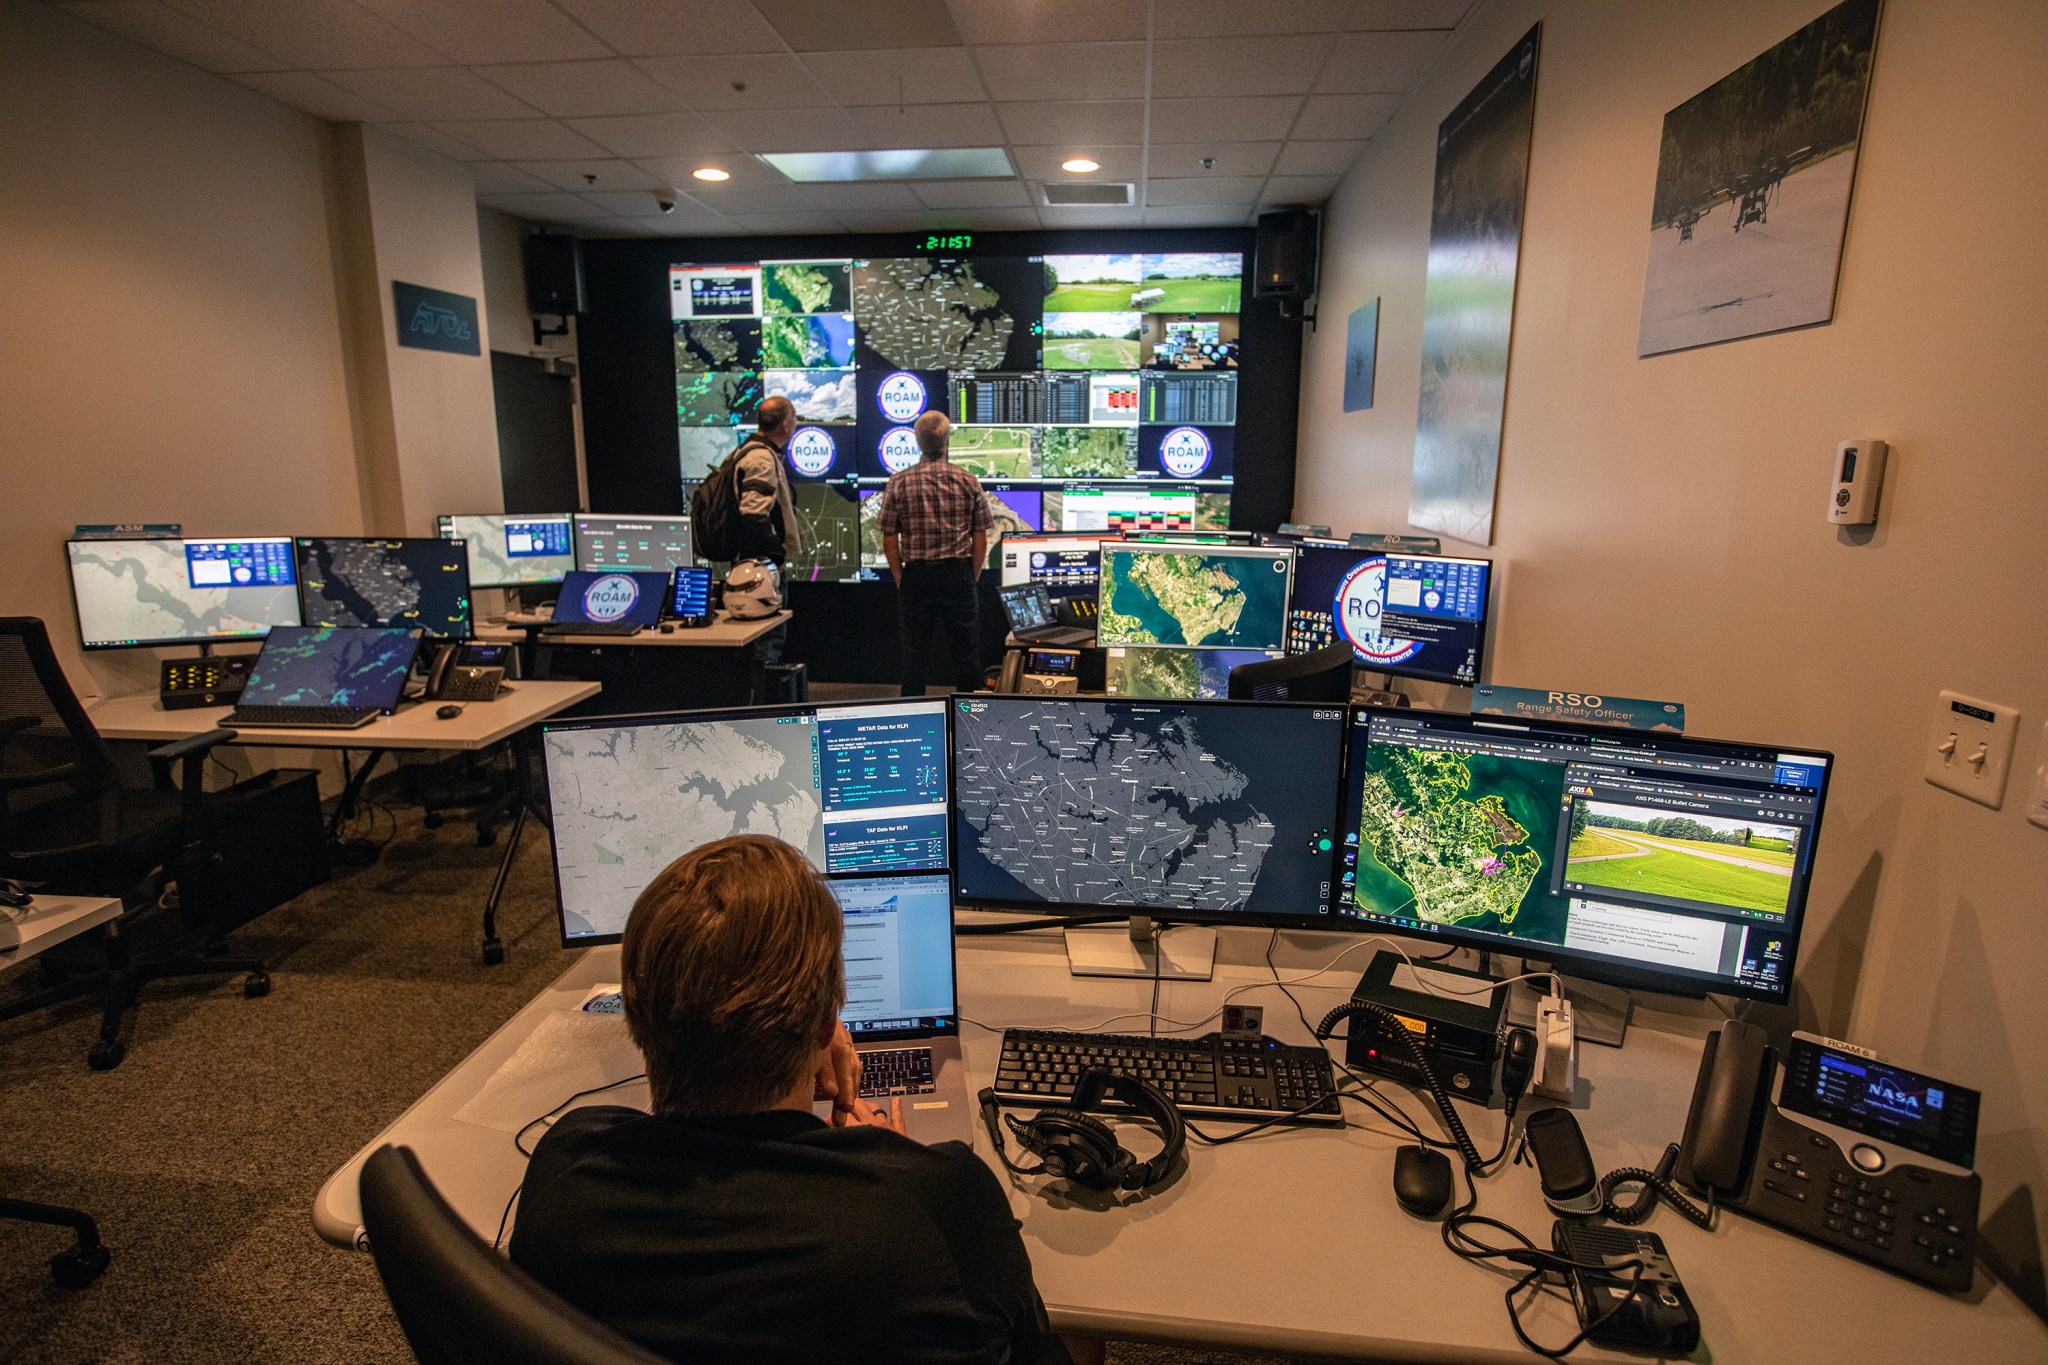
{"x": 901, "y": 396}
{"x": 899, "y": 449}
{"x": 610, "y": 597}
{"x": 1184, "y": 452}
{"x": 811, "y": 451}
{"x": 1361, "y": 598}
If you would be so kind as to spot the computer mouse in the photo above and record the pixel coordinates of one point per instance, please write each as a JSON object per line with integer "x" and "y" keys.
{"x": 668, "y": 627}
{"x": 1422, "y": 1180}
{"x": 449, "y": 712}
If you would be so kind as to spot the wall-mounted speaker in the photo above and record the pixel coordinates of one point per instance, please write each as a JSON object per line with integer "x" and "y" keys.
{"x": 1285, "y": 257}
{"x": 554, "y": 273}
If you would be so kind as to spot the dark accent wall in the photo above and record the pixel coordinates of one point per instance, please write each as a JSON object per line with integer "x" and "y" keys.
{"x": 536, "y": 433}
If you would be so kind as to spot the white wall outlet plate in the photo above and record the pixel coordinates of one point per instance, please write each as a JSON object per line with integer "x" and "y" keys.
{"x": 1969, "y": 747}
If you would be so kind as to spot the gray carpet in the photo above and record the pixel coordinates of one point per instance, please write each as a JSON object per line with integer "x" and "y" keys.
{"x": 200, "y": 1155}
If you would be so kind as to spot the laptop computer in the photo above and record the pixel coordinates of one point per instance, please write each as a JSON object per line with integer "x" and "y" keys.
{"x": 325, "y": 677}
{"x": 608, "y": 603}
{"x": 1029, "y": 608}
{"x": 900, "y": 1001}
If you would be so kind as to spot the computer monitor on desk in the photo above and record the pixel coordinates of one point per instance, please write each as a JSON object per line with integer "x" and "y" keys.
{"x": 131, "y": 593}
{"x": 645, "y": 544}
{"x": 513, "y": 549}
{"x": 413, "y": 582}
{"x": 1407, "y": 616}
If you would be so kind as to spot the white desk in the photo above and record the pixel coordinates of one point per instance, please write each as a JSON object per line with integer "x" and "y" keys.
{"x": 723, "y": 633}
{"x": 49, "y": 921}
{"x": 1292, "y": 1242}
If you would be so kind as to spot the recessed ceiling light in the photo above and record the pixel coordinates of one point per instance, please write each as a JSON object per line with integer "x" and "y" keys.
{"x": 710, "y": 173}
{"x": 1080, "y": 165}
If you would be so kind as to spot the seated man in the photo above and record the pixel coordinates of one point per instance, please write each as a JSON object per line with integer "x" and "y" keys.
{"x": 733, "y": 1225}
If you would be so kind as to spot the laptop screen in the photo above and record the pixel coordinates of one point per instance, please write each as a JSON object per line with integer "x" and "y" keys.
{"x": 331, "y": 666}
{"x": 1028, "y": 607}
{"x": 604, "y": 598}
{"x": 899, "y": 955}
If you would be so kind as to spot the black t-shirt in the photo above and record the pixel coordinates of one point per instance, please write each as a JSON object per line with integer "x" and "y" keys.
{"x": 776, "y": 1237}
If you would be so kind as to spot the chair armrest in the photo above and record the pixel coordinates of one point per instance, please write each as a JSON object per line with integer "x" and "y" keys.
{"x": 195, "y": 744}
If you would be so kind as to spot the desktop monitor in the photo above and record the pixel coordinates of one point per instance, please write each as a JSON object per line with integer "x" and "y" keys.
{"x": 1648, "y": 858}
{"x": 1175, "y": 673}
{"x": 1193, "y": 596}
{"x": 1409, "y": 616}
{"x": 512, "y": 549}
{"x": 1066, "y": 566}
{"x": 416, "y": 582}
{"x": 859, "y": 787}
{"x": 1204, "y": 811}
{"x": 175, "y": 592}
{"x": 647, "y": 544}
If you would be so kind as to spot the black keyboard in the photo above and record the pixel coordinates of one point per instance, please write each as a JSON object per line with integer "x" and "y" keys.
{"x": 590, "y": 628}
{"x": 1208, "y": 1077}
{"x": 896, "y": 1071}
{"x": 302, "y": 717}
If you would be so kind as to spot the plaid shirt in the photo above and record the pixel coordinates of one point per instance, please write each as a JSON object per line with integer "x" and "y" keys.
{"x": 935, "y": 507}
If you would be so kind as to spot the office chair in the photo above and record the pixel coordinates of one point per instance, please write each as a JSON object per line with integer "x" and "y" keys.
{"x": 459, "y": 1301}
{"x": 68, "y": 825}
{"x": 1322, "y": 676}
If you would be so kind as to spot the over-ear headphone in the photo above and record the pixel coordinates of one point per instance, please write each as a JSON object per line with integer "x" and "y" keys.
{"x": 1075, "y": 1145}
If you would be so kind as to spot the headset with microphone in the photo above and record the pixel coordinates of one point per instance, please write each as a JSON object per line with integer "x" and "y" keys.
{"x": 1074, "y": 1145}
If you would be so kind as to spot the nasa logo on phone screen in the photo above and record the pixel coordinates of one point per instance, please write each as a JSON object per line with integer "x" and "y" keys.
{"x": 610, "y": 597}
{"x": 1360, "y": 599}
{"x": 1184, "y": 452}
{"x": 901, "y": 396}
{"x": 899, "y": 449}
{"x": 811, "y": 451}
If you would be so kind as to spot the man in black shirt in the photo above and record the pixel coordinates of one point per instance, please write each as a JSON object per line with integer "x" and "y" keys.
{"x": 732, "y": 1225}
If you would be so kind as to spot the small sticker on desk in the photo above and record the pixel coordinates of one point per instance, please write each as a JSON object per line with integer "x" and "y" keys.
{"x": 605, "y": 999}
{"x": 931, "y": 1104}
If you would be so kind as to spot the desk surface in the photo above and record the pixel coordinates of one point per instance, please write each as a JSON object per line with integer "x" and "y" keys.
{"x": 724, "y": 633}
{"x": 49, "y": 921}
{"x": 482, "y": 723}
{"x": 1292, "y": 1242}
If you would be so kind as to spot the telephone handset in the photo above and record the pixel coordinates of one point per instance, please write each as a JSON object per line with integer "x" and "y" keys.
{"x": 1838, "y": 1146}
{"x": 454, "y": 678}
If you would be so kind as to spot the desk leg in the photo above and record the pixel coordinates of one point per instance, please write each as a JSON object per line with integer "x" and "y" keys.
{"x": 345, "y": 807}
{"x": 522, "y": 782}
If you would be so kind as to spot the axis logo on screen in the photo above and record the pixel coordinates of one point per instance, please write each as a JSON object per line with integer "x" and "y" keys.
{"x": 899, "y": 449}
{"x": 1185, "y": 452}
{"x": 811, "y": 451}
{"x": 901, "y": 396}
{"x": 1361, "y": 598}
{"x": 610, "y": 597}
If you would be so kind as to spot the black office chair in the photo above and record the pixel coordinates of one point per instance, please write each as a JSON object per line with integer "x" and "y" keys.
{"x": 68, "y": 826}
{"x": 459, "y": 1301}
{"x": 1322, "y": 676}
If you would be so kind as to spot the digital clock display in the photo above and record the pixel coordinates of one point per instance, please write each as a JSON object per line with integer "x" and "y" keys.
{"x": 956, "y": 241}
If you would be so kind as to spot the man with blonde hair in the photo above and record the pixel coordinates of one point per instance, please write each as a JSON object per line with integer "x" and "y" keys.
{"x": 730, "y": 1224}
{"x": 935, "y": 523}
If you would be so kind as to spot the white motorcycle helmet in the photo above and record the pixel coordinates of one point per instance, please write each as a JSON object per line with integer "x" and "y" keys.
{"x": 753, "y": 590}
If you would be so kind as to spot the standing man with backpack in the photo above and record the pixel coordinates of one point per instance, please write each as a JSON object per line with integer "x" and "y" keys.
{"x": 743, "y": 511}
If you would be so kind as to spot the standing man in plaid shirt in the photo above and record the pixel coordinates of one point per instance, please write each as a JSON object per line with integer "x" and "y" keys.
{"x": 935, "y": 525}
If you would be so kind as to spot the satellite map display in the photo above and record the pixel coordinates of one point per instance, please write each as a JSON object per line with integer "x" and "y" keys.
{"x": 1174, "y": 673}
{"x": 949, "y": 315}
{"x": 816, "y": 343}
{"x": 724, "y": 344}
{"x": 806, "y": 286}
{"x": 993, "y": 452}
{"x": 1195, "y": 807}
{"x": 1087, "y": 452}
{"x": 135, "y": 592}
{"x": 1199, "y": 597}
{"x": 415, "y": 582}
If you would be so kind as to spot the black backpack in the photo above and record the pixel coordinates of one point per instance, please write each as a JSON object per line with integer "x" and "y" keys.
{"x": 715, "y": 510}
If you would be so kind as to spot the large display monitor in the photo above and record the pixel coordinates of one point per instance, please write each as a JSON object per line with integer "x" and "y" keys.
{"x": 1174, "y": 673}
{"x": 1065, "y": 566}
{"x": 632, "y": 544}
{"x": 1216, "y": 812}
{"x": 860, "y": 788}
{"x": 513, "y": 549}
{"x": 174, "y": 592}
{"x": 1653, "y": 859}
{"x": 415, "y": 582}
{"x": 1411, "y": 616}
{"x": 1193, "y": 596}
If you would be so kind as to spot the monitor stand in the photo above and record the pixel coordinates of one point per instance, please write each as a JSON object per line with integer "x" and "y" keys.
{"x": 1600, "y": 1013}
{"x": 1143, "y": 948}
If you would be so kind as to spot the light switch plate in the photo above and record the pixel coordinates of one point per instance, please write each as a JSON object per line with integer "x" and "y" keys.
{"x": 2037, "y": 804}
{"x": 1969, "y": 747}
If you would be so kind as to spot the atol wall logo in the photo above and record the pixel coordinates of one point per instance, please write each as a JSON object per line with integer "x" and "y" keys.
{"x": 899, "y": 449}
{"x": 1361, "y": 597}
{"x": 1184, "y": 452}
{"x": 610, "y": 597}
{"x": 811, "y": 451}
{"x": 900, "y": 397}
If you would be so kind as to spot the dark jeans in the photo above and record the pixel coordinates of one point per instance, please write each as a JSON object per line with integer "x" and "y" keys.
{"x": 937, "y": 597}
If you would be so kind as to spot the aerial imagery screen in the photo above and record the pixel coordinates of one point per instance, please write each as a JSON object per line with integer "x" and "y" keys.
{"x": 1112, "y": 376}
{"x": 1196, "y": 597}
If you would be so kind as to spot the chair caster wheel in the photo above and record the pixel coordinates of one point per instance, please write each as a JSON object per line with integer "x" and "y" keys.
{"x": 485, "y": 838}
{"x": 77, "y": 1269}
{"x": 105, "y": 1056}
{"x": 256, "y": 984}
{"x": 494, "y": 952}
{"x": 432, "y": 819}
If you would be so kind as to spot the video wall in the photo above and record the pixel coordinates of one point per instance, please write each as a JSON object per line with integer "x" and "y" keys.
{"x": 1088, "y": 392}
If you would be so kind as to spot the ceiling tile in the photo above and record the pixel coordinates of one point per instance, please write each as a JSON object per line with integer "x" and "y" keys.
{"x": 791, "y": 222}
{"x": 829, "y": 25}
{"x": 1068, "y": 71}
{"x": 1210, "y": 67}
{"x": 772, "y": 80}
{"x": 1247, "y": 118}
{"x": 1371, "y": 63}
{"x": 502, "y": 177}
{"x": 1207, "y": 215}
{"x": 988, "y": 220}
{"x": 685, "y": 217}
{"x": 743, "y": 169}
{"x": 315, "y": 34}
{"x": 435, "y": 93}
{"x": 1090, "y": 217}
{"x": 1230, "y": 158}
{"x": 730, "y": 199}
{"x": 478, "y": 31}
{"x": 793, "y": 130}
{"x": 1336, "y": 117}
{"x": 891, "y": 76}
{"x": 523, "y": 139}
{"x": 1298, "y": 189}
{"x": 914, "y": 221}
{"x": 932, "y": 125}
{"x": 318, "y": 97}
{"x": 1036, "y": 123}
{"x": 1317, "y": 158}
{"x": 586, "y": 176}
{"x": 434, "y": 140}
{"x": 1235, "y": 18}
{"x": 648, "y": 28}
{"x": 1379, "y": 14}
{"x": 972, "y": 194}
{"x": 1213, "y": 189}
{"x": 1048, "y": 21}
{"x": 541, "y": 206}
{"x": 1043, "y": 163}
{"x": 583, "y": 89}
{"x": 160, "y": 28}
{"x": 642, "y": 135}
{"x": 833, "y": 198}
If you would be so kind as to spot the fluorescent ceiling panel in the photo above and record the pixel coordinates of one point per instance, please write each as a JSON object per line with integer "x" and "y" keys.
{"x": 944, "y": 163}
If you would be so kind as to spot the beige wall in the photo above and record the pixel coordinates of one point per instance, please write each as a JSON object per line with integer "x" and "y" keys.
{"x": 1659, "y": 525}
